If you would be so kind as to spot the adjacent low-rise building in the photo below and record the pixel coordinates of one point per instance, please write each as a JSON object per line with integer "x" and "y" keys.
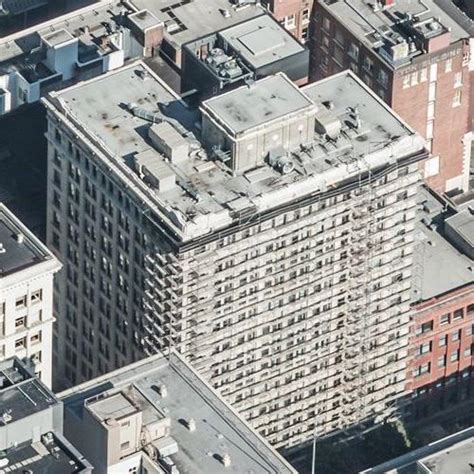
{"x": 245, "y": 52}
{"x": 31, "y": 426}
{"x": 441, "y": 369}
{"x": 27, "y": 269}
{"x": 159, "y": 416}
{"x": 453, "y": 454}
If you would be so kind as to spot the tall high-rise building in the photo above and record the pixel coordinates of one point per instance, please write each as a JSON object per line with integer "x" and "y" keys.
{"x": 27, "y": 269}
{"x": 415, "y": 55}
{"x": 267, "y": 237}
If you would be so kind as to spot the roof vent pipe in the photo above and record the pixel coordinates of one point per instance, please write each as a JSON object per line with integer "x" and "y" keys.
{"x": 225, "y": 459}
{"x": 191, "y": 424}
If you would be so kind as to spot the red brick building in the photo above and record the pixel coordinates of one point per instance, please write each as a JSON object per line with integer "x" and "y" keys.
{"x": 442, "y": 342}
{"x": 416, "y": 57}
{"x": 294, "y": 15}
{"x": 441, "y": 348}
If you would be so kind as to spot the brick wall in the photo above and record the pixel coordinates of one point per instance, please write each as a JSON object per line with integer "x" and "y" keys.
{"x": 451, "y": 319}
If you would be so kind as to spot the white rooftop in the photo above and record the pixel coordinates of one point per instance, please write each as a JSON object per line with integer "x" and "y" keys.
{"x": 371, "y": 26}
{"x": 261, "y": 41}
{"x": 219, "y": 429}
{"x": 248, "y": 107}
{"x": 203, "y": 197}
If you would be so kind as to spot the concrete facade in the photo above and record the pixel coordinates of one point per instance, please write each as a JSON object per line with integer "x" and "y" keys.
{"x": 428, "y": 84}
{"x": 253, "y": 272}
{"x": 27, "y": 269}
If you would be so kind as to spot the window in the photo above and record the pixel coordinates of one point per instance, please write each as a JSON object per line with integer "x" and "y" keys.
{"x": 432, "y": 92}
{"x": 458, "y": 79}
{"x": 442, "y": 361}
{"x": 457, "y": 98}
{"x": 36, "y": 296}
{"x": 20, "y": 302}
{"x": 429, "y": 129}
{"x": 424, "y": 75}
{"x": 431, "y": 110}
{"x": 325, "y": 42}
{"x": 36, "y": 338}
{"x": 424, "y": 348}
{"x": 443, "y": 340}
{"x": 433, "y": 72}
{"x": 289, "y": 21}
{"x": 125, "y": 445}
{"x": 339, "y": 37}
{"x": 383, "y": 77}
{"x": 305, "y": 16}
{"x": 469, "y": 350}
{"x": 444, "y": 319}
{"x": 425, "y": 327}
{"x": 406, "y": 81}
{"x": 20, "y": 343}
{"x": 326, "y": 24}
{"x": 354, "y": 51}
{"x": 448, "y": 65}
{"x": 305, "y": 34}
{"x": 414, "y": 78}
{"x": 368, "y": 64}
{"x": 422, "y": 369}
{"x": 20, "y": 323}
{"x": 454, "y": 357}
{"x": 456, "y": 335}
{"x": 470, "y": 330}
{"x": 458, "y": 314}
{"x": 470, "y": 309}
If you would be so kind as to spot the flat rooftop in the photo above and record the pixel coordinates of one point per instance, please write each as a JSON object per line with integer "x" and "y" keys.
{"x": 261, "y": 41}
{"x": 441, "y": 266}
{"x": 463, "y": 223}
{"x": 196, "y": 18}
{"x": 20, "y": 249}
{"x": 246, "y": 108}
{"x": 205, "y": 193}
{"x": 16, "y": 7}
{"x": 385, "y": 26}
{"x": 55, "y": 457}
{"x": 451, "y": 455}
{"x": 219, "y": 429}
{"x": 22, "y": 396}
{"x": 86, "y": 24}
{"x": 114, "y": 406}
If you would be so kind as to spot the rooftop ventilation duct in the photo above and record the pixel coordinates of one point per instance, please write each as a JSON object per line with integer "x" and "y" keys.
{"x": 225, "y": 460}
{"x": 191, "y": 423}
{"x": 279, "y": 161}
{"x": 168, "y": 141}
{"x": 327, "y": 123}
